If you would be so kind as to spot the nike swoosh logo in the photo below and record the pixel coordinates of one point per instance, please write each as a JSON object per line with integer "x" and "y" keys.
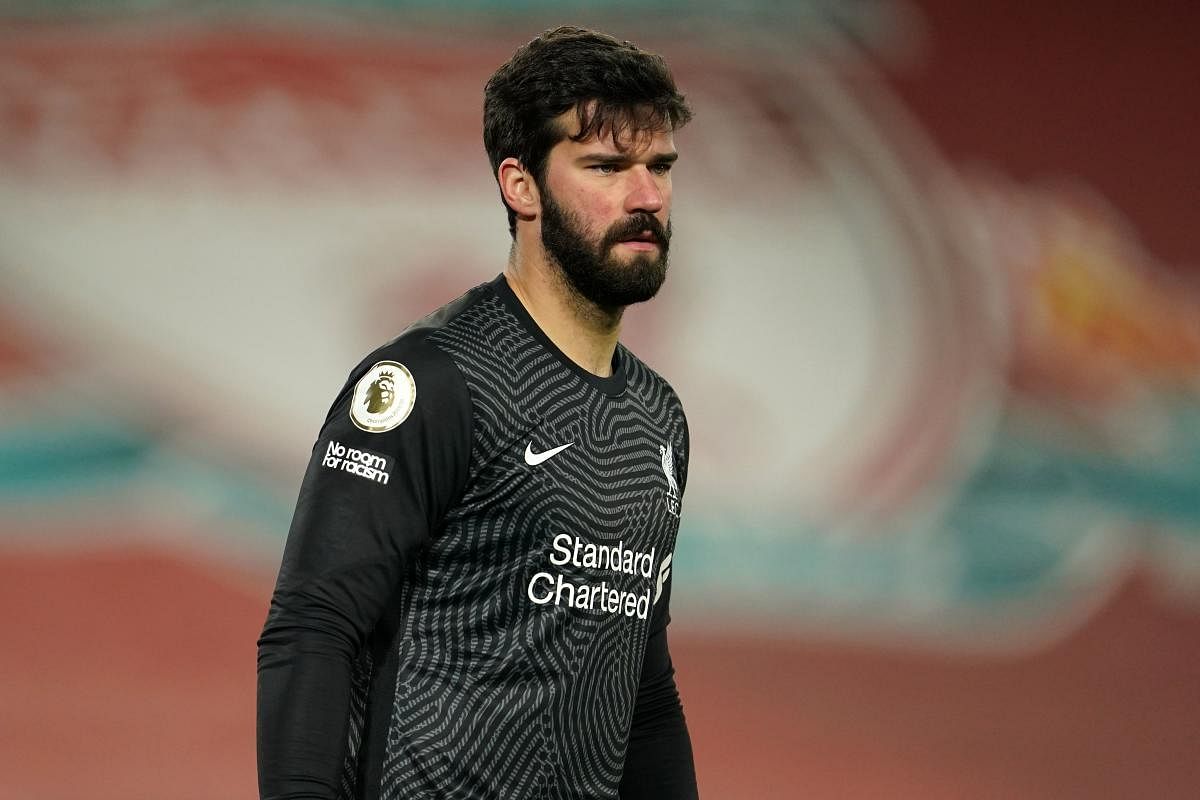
{"x": 533, "y": 459}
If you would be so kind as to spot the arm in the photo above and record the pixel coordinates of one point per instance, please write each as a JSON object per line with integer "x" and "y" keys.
{"x": 658, "y": 760}
{"x": 351, "y": 537}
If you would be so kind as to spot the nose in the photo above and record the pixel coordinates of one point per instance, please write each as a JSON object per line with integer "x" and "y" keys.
{"x": 645, "y": 192}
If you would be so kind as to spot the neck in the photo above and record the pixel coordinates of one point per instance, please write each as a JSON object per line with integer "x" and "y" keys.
{"x": 586, "y": 333}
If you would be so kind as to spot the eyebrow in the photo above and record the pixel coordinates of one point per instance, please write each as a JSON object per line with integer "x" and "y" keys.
{"x": 620, "y": 158}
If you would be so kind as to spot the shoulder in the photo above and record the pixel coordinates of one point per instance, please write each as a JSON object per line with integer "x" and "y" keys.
{"x": 663, "y": 406}
{"x": 417, "y": 341}
{"x": 647, "y": 382}
{"x": 409, "y": 372}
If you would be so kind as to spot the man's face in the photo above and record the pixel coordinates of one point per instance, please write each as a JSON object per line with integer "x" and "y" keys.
{"x": 606, "y": 215}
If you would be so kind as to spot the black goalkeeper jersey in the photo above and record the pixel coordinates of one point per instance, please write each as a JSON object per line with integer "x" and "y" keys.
{"x": 474, "y": 592}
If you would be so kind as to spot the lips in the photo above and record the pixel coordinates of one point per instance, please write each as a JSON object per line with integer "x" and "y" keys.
{"x": 645, "y": 236}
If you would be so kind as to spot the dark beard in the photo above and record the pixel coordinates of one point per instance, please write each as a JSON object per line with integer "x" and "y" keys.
{"x": 591, "y": 270}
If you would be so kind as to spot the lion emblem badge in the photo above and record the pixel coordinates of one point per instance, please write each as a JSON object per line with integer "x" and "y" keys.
{"x": 383, "y": 397}
{"x": 668, "y": 467}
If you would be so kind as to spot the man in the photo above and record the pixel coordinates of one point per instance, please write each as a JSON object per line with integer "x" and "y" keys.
{"x": 474, "y": 594}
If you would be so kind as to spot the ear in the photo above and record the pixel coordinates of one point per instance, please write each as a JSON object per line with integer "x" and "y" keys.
{"x": 518, "y": 189}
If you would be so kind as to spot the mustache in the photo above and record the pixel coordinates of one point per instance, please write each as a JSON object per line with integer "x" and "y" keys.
{"x": 635, "y": 225}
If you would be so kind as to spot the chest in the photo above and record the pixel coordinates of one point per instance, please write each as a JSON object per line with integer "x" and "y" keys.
{"x": 609, "y": 469}
{"x": 591, "y": 472}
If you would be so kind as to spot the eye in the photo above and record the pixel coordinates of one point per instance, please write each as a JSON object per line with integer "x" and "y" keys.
{"x": 660, "y": 169}
{"x": 603, "y": 169}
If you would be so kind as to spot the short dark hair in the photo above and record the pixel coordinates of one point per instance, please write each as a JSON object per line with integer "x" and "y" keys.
{"x": 613, "y": 86}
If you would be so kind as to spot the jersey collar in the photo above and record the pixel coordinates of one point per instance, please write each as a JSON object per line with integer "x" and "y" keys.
{"x": 612, "y": 385}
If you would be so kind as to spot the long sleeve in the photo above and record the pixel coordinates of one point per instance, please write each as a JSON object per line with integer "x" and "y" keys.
{"x": 658, "y": 761}
{"x": 390, "y": 459}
